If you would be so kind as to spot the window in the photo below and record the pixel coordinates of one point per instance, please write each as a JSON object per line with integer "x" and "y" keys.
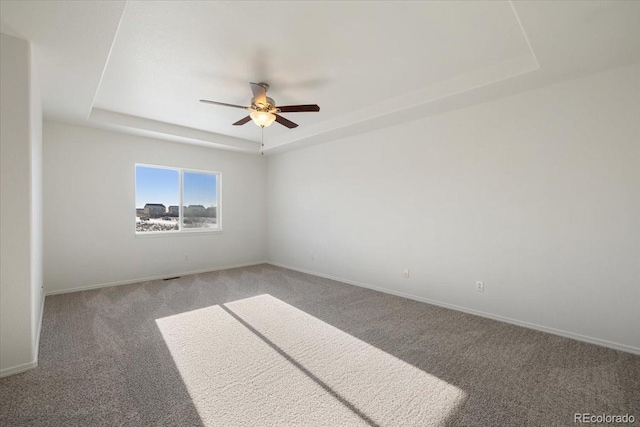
{"x": 173, "y": 200}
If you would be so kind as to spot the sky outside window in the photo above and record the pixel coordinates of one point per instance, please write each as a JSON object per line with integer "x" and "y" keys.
{"x": 200, "y": 189}
{"x": 161, "y": 186}
{"x": 157, "y": 185}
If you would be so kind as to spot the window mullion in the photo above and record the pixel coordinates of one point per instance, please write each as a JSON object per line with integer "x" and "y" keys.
{"x": 181, "y": 187}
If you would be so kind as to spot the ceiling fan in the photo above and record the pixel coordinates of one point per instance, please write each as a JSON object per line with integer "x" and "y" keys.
{"x": 263, "y": 110}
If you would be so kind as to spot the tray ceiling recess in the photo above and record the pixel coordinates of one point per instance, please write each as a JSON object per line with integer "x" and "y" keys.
{"x": 142, "y": 67}
{"x": 167, "y": 56}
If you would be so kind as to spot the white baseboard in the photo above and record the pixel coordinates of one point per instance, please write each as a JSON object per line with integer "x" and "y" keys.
{"x": 37, "y": 343}
{"x": 146, "y": 279}
{"x": 33, "y": 364}
{"x": 17, "y": 369}
{"x": 36, "y": 348}
{"x": 566, "y": 334}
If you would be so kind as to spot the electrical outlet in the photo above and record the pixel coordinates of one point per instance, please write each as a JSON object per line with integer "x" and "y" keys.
{"x": 480, "y": 286}
{"x": 405, "y": 273}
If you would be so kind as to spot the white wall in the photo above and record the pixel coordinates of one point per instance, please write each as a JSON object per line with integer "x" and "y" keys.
{"x": 537, "y": 195}
{"x": 89, "y": 209}
{"x": 35, "y": 139}
{"x": 20, "y": 200}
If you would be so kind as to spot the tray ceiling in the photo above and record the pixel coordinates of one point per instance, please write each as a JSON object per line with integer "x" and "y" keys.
{"x": 141, "y": 67}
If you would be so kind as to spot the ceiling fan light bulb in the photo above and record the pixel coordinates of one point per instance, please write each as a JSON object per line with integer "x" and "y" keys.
{"x": 262, "y": 118}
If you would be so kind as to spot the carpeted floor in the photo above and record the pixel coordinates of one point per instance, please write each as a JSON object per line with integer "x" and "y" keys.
{"x": 267, "y": 346}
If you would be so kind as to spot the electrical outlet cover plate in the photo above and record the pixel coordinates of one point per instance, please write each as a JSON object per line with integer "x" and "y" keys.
{"x": 480, "y": 286}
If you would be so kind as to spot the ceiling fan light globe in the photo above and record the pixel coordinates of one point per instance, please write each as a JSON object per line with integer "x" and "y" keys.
{"x": 262, "y": 118}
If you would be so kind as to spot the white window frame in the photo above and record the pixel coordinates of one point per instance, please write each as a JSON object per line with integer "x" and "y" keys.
{"x": 181, "y": 231}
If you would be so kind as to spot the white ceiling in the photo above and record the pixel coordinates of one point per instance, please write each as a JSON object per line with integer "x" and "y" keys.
{"x": 142, "y": 66}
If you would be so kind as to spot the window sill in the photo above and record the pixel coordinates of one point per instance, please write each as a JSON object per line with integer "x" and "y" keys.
{"x": 144, "y": 235}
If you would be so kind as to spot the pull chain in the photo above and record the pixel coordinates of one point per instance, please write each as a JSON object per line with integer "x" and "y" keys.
{"x": 262, "y": 141}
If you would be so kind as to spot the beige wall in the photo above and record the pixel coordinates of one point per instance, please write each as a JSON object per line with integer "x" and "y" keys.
{"x": 86, "y": 247}
{"x": 20, "y": 204}
{"x": 537, "y": 195}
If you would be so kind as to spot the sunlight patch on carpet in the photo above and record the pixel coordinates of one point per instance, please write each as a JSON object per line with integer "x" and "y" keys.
{"x": 261, "y": 361}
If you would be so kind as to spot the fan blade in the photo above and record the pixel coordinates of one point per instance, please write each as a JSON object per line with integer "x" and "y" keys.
{"x": 259, "y": 93}
{"x": 285, "y": 122}
{"x": 299, "y": 108}
{"x": 223, "y": 104}
{"x": 242, "y": 121}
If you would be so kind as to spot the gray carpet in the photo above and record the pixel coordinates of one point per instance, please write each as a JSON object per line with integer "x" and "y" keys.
{"x": 267, "y": 346}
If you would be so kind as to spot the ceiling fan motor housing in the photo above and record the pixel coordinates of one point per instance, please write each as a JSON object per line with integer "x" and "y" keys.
{"x": 263, "y": 110}
{"x": 270, "y": 106}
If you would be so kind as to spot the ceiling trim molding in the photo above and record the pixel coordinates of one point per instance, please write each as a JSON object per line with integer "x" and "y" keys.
{"x": 106, "y": 61}
{"x": 162, "y": 130}
{"x": 524, "y": 32}
{"x": 401, "y": 109}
